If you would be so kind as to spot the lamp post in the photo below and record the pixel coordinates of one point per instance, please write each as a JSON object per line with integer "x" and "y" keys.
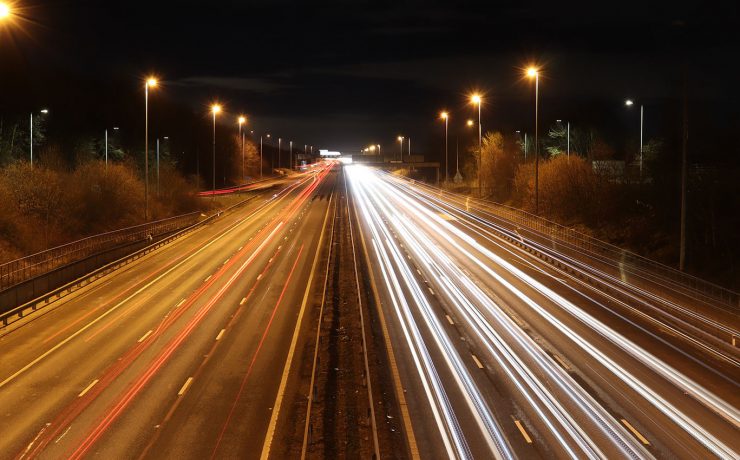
{"x": 290, "y": 156}
{"x": 629, "y": 103}
{"x": 157, "y": 167}
{"x": 43, "y": 111}
{"x": 534, "y": 73}
{"x": 567, "y": 136}
{"x": 260, "y": 156}
{"x": 400, "y": 146}
{"x": 150, "y": 83}
{"x": 4, "y": 11}
{"x": 476, "y": 100}
{"x": 215, "y": 109}
{"x": 242, "y": 120}
{"x": 446, "y": 117}
{"x": 280, "y": 141}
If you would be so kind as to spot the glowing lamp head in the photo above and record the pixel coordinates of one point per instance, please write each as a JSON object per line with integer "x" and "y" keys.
{"x": 629, "y": 102}
{"x": 532, "y": 72}
{"x": 44, "y": 111}
{"x": 4, "y": 11}
{"x": 242, "y": 120}
{"x": 215, "y": 108}
{"x": 475, "y": 99}
{"x": 400, "y": 138}
{"x": 444, "y": 115}
{"x": 470, "y": 123}
{"x": 151, "y": 82}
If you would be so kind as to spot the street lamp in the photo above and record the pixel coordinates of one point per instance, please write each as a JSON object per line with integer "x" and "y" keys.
{"x": 242, "y": 120}
{"x": 629, "y": 103}
{"x": 280, "y": 142}
{"x": 477, "y": 100}
{"x": 446, "y": 117}
{"x": 533, "y": 72}
{"x": 43, "y": 112}
{"x": 290, "y": 155}
{"x": 5, "y": 11}
{"x": 215, "y": 110}
{"x": 400, "y": 145}
{"x": 151, "y": 82}
{"x": 567, "y": 124}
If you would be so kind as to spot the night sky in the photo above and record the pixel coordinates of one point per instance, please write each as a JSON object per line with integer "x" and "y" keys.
{"x": 341, "y": 75}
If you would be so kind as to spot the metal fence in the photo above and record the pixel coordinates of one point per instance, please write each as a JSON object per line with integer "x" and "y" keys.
{"x": 21, "y": 270}
{"x": 581, "y": 241}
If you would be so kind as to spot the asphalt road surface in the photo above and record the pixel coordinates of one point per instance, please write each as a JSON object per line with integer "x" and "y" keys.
{"x": 192, "y": 351}
{"x": 499, "y": 355}
{"x": 181, "y": 354}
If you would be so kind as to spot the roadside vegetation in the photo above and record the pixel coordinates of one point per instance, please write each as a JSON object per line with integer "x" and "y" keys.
{"x": 599, "y": 191}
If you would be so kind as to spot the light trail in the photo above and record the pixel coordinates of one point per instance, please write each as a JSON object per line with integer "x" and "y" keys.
{"x": 250, "y": 250}
{"x": 417, "y": 223}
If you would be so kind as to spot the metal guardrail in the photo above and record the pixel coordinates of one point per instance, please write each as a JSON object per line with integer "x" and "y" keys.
{"x": 588, "y": 243}
{"x": 20, "y": 270}
{"x": 72, "y": 286}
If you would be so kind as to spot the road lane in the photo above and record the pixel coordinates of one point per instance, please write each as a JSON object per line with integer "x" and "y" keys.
{"x": 118, "y": 350}
{"x": 468, "y": 281}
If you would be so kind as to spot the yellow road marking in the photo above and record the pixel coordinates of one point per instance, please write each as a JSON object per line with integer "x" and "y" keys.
{"x": 477, "y": 361}
{"x": 286, "y": 370}
{"x": 449, "y": 320}
{"x": 220, "y": 334}
{"x": 523, "y": 431}
{"x": 185, "y": 386}
{"x": 243, "y": 301}
{"x": 397, "y": 386}
{"x": 635, "y": 432}
{"x": 92, "y": 384}
{"x": 143, "y": 337}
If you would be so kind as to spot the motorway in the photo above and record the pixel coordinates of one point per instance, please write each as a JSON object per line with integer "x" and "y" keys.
{"x": 497, "y": 354}
{"x": 184, "y": 353}
{"x": 197, "y": 350}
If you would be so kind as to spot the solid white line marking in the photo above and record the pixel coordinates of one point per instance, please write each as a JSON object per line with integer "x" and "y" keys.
{"x": 185, "y": 386}
{"x": 635, "y": 432}
{"x": 92, "y": 384}
{"x": 449, "y": 320}
{"x": 523, "y": 431}
{"x": 477, "y": 362}
{"x": 220, "y": 334}
{"x": 143, "y": 337}
{"x": 243, "y": 301}
{"x": 430, "y": 291}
